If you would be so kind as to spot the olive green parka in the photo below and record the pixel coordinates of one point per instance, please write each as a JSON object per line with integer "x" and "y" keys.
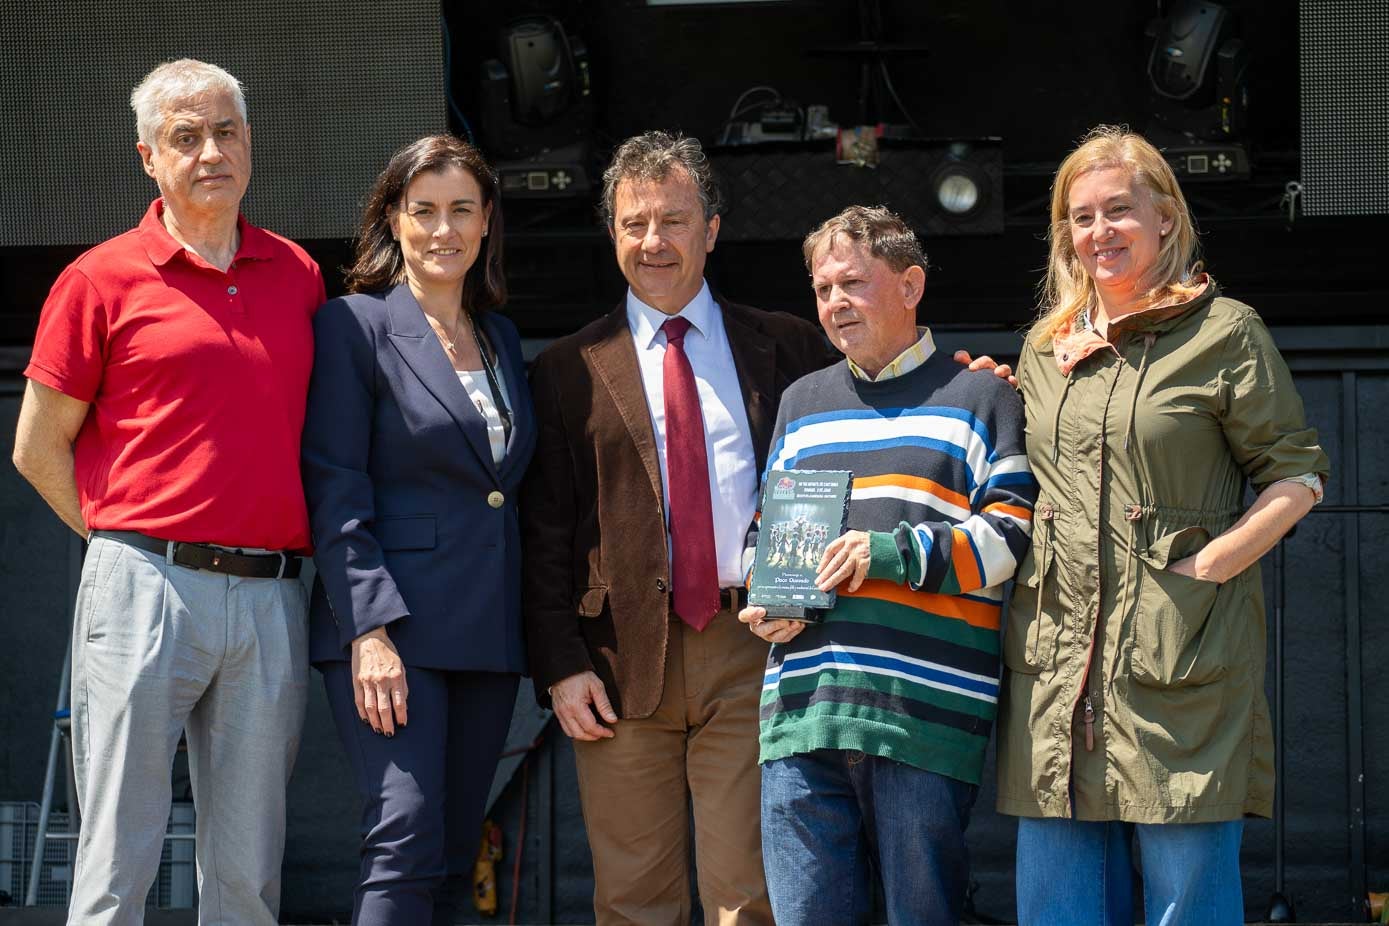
{"x": 1142, "y": 446}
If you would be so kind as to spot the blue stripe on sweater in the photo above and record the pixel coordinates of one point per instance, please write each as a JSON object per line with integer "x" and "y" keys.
{"x": 978, "y": 560}
{"x": 840, "y": 658}
{"x": 1011, "y": 479}
{"x": 889, "y": 443}
{"x": 940, "y": 411}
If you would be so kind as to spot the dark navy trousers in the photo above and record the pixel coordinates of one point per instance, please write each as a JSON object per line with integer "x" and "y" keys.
{"x": 423, "y": 790}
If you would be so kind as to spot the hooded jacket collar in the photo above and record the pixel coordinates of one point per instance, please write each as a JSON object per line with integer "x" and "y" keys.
{"x": 1078, "y": 340}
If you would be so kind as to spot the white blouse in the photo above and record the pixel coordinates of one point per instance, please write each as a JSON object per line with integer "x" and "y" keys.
{"x": 475, "y": 382}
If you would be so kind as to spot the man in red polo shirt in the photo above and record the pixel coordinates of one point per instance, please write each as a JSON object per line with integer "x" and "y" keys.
{"x": 162, "y": 419}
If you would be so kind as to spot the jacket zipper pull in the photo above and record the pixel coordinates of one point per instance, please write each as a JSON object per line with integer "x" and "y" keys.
{"x": 1089, "y": 725}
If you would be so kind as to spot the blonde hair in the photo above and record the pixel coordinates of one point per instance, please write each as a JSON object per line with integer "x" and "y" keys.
{"x": 1067, "y": 289}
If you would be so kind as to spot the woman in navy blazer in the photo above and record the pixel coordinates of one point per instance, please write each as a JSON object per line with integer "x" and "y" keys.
{"x": 419, "y": 429}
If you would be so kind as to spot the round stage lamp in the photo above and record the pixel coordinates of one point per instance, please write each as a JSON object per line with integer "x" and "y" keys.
{"x": 957, "y": 193}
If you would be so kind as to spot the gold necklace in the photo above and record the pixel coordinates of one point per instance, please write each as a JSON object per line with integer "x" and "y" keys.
{"x": 449, "y": 345}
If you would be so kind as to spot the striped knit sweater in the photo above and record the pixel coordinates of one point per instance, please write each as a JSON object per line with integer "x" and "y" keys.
{"x": 907, "y": 667}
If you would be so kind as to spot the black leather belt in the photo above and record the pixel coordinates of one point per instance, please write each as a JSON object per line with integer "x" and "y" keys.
{"x": 733, "y": 599}
{"x": 213, "y": 559}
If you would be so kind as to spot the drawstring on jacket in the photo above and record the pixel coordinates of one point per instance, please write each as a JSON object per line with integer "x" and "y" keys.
{"x": 1056, "y": 422}
{"x": 1045, "y": 513}
{"x": 1148, "y": 340}
{"x": 1132, "y": 513}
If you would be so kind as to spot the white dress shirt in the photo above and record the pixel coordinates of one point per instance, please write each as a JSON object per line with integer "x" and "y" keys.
{"x": 733, "y": 472}
{"x": 475, "y": 381}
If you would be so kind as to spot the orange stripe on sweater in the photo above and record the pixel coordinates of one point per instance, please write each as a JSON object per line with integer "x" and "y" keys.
{"x": 962, "y": 558}
{"x": 1022, "y": 514}
{"x": 903, "y": 481}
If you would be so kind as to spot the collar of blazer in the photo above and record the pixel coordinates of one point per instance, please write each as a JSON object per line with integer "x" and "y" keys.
{"x": 417, "y": 345}
{"x": 614, "y": 359}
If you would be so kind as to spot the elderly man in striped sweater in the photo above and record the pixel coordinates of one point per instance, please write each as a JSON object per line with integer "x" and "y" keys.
{"x": 874, "y": 722}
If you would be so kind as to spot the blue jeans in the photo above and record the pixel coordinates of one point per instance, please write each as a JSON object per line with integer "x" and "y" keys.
{"x": 828, "y": 814}
{"x": 1077, "y": 873}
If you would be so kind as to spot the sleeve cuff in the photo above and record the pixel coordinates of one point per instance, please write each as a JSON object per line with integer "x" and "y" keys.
{"x": 58, "y": 382}
{"x": 1312, "y": 481}
{"x": 346, "y": 634}
{"x": 884, "y": 558}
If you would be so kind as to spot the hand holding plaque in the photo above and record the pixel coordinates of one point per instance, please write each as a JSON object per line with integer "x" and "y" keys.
{"x": 803, "y": 512}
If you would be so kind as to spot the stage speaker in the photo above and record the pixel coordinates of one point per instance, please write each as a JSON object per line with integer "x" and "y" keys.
{"x": 781, "y": 191}
{"x": 332, "y": 88}
{"x": 1345, "y": 106}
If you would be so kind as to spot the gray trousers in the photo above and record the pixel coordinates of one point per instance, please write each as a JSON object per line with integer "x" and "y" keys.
{"x": 159, "y": 649}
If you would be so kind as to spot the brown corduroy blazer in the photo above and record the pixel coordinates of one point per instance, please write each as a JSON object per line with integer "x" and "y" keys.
{"x": 596, "y": 587}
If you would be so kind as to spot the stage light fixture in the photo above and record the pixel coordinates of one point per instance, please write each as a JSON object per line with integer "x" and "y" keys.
{"x": 957, "y": 192}
{"x": 537, "y": 110}
{"x": 1198, "y": 90}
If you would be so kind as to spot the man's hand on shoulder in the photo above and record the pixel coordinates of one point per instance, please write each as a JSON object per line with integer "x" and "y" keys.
{"x": 1001, "y": 370}
{"x": 576, "y": 698}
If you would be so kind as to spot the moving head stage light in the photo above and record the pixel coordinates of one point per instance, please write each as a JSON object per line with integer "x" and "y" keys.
{"x": 537, "y": 110}
{"x": 1198, "y": 91}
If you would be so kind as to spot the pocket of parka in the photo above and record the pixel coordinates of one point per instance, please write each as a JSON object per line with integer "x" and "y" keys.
{"x": 1177, "y": 545}
{"x": 1034, "y": 623}
{"x": 1179, "y": 639}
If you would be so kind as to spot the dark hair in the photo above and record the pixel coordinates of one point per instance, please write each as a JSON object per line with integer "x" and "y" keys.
{"x": 377, "y": 262}
{"x": 653, "y": 156}
{"x": 888, "y": 237}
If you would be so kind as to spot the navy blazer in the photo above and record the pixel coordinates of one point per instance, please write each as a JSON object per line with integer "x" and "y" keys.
{"x": 414, "y": 527}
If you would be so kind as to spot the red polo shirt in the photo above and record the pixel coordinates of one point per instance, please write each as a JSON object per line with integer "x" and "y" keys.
{"x": 196, "y": 379}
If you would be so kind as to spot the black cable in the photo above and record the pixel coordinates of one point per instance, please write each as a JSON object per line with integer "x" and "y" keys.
{"x": 740, "y": 108}
{"x": 448, "y": 82}
{"x": 892, "y": 91}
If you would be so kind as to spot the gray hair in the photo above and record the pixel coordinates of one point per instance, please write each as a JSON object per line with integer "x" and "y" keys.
{"x": 174, "y": 81}
{"x": 652, "y": 156}
{"x": 889, "y": 238}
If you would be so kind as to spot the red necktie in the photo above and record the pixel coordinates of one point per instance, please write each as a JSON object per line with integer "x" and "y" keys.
{"x": 695, "y": 577}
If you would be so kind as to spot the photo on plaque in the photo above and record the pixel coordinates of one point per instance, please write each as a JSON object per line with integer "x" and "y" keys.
{"x": 802, "y": 511}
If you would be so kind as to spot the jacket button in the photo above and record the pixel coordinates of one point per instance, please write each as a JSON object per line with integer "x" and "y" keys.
{"x": 496, "y": 499}
{"x": 660, "y": 585}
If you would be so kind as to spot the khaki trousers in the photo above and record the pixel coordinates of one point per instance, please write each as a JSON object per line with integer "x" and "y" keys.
{"x": 700, "y": 748}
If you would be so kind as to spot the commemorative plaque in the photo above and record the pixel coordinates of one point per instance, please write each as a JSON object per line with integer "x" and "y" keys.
{"x": 802, "y": 511}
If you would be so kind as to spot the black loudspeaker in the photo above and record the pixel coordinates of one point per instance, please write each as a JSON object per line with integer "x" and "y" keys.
{"x": 332, "y": 88}
{"x": 1345, "y": 106}
{"x": 779, "y": 192}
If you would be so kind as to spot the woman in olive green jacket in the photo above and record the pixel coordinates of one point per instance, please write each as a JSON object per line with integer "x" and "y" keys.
{"x": 1134, "y": 698}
